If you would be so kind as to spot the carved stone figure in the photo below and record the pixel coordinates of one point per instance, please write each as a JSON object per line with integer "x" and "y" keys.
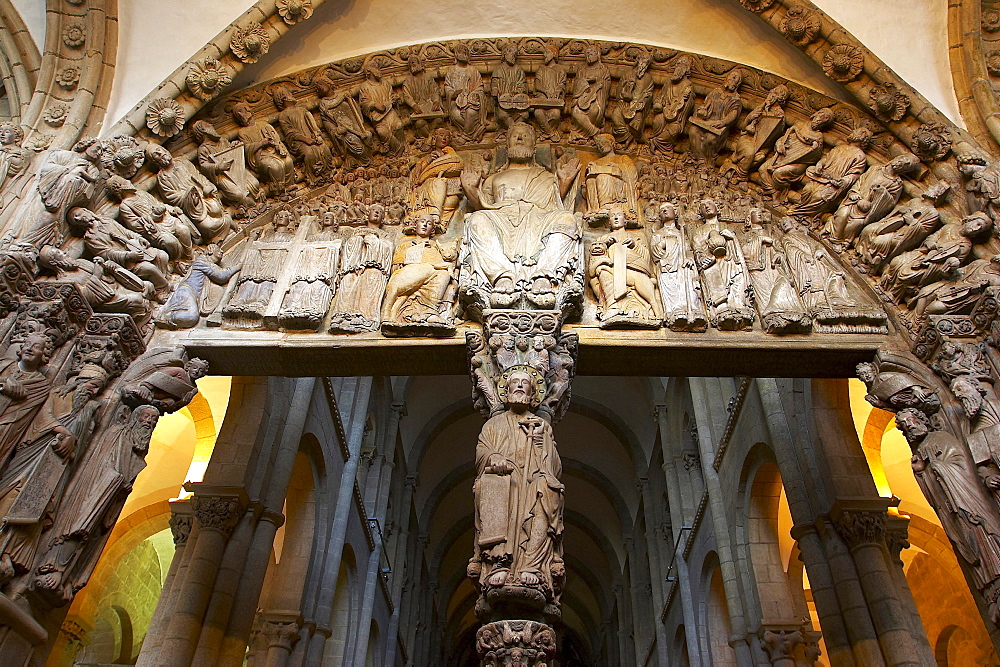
{"x": 835, "y": 173}
{"x": 591, "y": 88}
{"x": 521, "y": 643}
{"x": 309, "y": 296}
{"x": 610, "y": 182}
{"x": 509, "y": 88}
{"x": 949, "y": 481}
{"x": 34, "y": 479}
{"x": 182, "y": 309}
{"x": 635, "y": 101}
{"x": 13, "y": 157}
{"x": 365, "y": 263}
{"x": 106, "y": 286}
{"x": 521, "y": 238}
{"x": 483, "y": 371}
{"x": 225, "y": 165}
{"x": 823, "y": 287}
{"x": 937, "y": 258}
{"x": 164, "y": 377}
{"x": 341, "y": 118}
{"x": 677, "y": 276}
{"x": 142, "y": 213}
{"x": 712, "y": 121}
{"x": 673, "y": 107}
{"x": 775, "y": 296}
{"x": 872, "y": 197}
{"x": 302, "y": 136}
{"x": 434, "y": 180}
{"x": 549, "y": 93}
{"x": 421, "y": 290}
{"x": 92, "y": 504}
{"x": 65, "y": 179}
{"x": 621, "y": 277}
{"x": 764, "y": 126}
{"x": 378, "y": 106}
{"x": 961, "y": 293}
{"x": 107, "y": 239}
{"x": 421, "y": 93}
{"x": 465, "y": 96}
{"x": 725, "y": 283}
{"x": 262, "y": 262}
{"x": 183, "y": 186}
{"x": 265, "y": 152}
{"x": 901, "y": 231}
{"x": 23, "y": 390}
{"x": 796, "y": 151}
{"x": 518, "y": 495}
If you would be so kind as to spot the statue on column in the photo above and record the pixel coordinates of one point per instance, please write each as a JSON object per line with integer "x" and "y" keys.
{"x": 522, "y": 240}
{"x": 726, "y": 285}
{"x": 518, "y": 499}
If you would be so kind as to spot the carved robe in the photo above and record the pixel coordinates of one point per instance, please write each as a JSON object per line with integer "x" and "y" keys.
{"x": 378, "y": 106}
{"x": 611, "y": 181}
{"x": 710, "y": 126}
{"x": 677, "y": 103}
{"x": 463, "y": 87}
{"x": 218, "y": 161}
{"x": 622, "y": 277}
{"x": 304, "y": 140}
{"x": 434, "y": 188}
{"x": 799, "y": 148}
{"x": 187, "y": 188}
{"x": 776, "y": 299}
{"x": 724, "y": 280}
{"x": 309, "y": 296}
{"x": 416, "y": 292}
{"x": 65, "y": 179}
{"x": 341, "y": 117}
{"x": 829, "y": 179}
{"x": 268, "y": 156}
{"x": 519, "y": 517}
{"x": 366, "y": 260}
{"x": 591, "y": 87}
{"x": 677, "y": 277}
{"x": 16, "y": 415}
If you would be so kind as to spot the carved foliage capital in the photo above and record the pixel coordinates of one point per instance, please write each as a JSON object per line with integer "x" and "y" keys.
{"x": 219, "y": 513}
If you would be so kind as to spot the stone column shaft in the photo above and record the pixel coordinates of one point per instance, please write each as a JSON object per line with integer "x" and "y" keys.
{"x": 831, "y": 622}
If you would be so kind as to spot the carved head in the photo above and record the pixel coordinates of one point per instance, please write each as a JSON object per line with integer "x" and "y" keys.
{"x": 707, "y": 208}
{"x": 415, "y": 63}
{"x": 371, "y": 70}
{"x": 733, "y": 80}
{"x": 976, "y": 224}
{"x": 120, "y": 188}
{"x": 462, "y": 52}
{"x": 866, "y": 372}
{"x": 11, "y": 133}
{"x": 196, "y": 368}
{"x": 324, "y": 86}
{"x": 143, "y": 422}
{"x": 682, "y": 67}
{"x": 969, "y": 391}
{"x": 860, "y": 137}
{"x": 35, "y": 351}
{"x": 642, "y": 63}
{"x": 522, "y": 386}
{"x": 821, "y": 119}
{"x": 376, "y": 214}
{"x": 53, "y": 258}
{"x": 282, "y": 98}
{"x": 158, "y": 211}
{"x": 81, "y": 217}
{"x": 510, "y": 53}
{"x": 904, "y": 164}
{"x": 329, "y": 221}
{"x": 667, "y": 213}
{"x": 605, "y": 144}
{"x": 786, "y": 224}
{"x": 617, "y": 218}
{"x": 913, "y": 424}
{"x": 159, "y": 156}
{"x": 592, "y": 54}
{"x": 424, "y": 226}
{"x": 242, "y": 114}
{"x": 521, "y": 143}
{"x": 777, "y": 96}
{"x": 202, "y": 130}
{"x": 550, "y": 52}
{"x": 91, "y": 147}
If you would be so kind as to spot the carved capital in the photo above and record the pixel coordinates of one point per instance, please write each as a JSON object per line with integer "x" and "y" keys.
{"x": 526, "y": 643}
{"x": 180, "y": 527}
{"x": 220, "y": 513}
{"x": 860, "y": 527}
{"x": 896, "y": 536}
{"x": 281, "y": 634}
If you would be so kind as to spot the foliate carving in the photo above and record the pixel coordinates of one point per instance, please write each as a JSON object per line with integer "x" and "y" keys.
{"x": 180, "y": 528}
{"x": 800, "y": 26}
{"x": 250, "y": 43}
{"x": 991, "y": 21}
{"x": 523, "y": 643}
{"x": 993, "y": 62}
{"x": 74, "y": 35}
{"x": 122, "y": 155}
{"x": 207, "y": 77}
{"x": 68, "y": 77}
{"x": 164, "y": 117}
{"x": 280, "y": 634}
{"x": 757, "y": 5}
{"x": 861, "y": 527}
{"x": 293, "y": 11}
{"x": 932, "y": 141}
{"x": 219, "y": 513}
{"x": 843, "y": 62}
{"x": 888, "y": 103}
{"x": 56, "y": 114}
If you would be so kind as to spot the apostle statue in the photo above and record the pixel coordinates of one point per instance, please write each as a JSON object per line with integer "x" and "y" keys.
{"x": 421, "y": 290}
{"x": 902, "y": 230}
{"x": 676, "y": 273}
{"x": 718, "y": 257}
{"x": 23, "y": 390}
{"x": 265, "y": 152}
{"x": 521, "y": 240}
{"x": 13, "y": 157}
{"x": 872, "y": 197}
{"x": 836, "y": 172}
{"x": 34, "y": 479}
{"x": 365, "y": 262}
{"x": 621, "y": 277}
{"x": 107, "y": 286}
{"x": 797, "y": 150}
{"x": 776, "y": 298}
{"x": 167, "y": 229}
{"x": 518, "y": 495}
{"x": 610, "y": 182}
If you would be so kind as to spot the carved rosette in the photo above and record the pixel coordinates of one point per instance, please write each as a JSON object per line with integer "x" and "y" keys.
{"x": 293, "y": 11}
{"x": 164, "y": 117}
{"x": 844, "y": 62}
{"x": 800, "y": 26}
{"x": 207, "y": 77}
{"x": 219, "y": 513}
{"x": 526, "y": 643}
{"x": 250, "y": 43}
{"x": 887, "y": 102}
